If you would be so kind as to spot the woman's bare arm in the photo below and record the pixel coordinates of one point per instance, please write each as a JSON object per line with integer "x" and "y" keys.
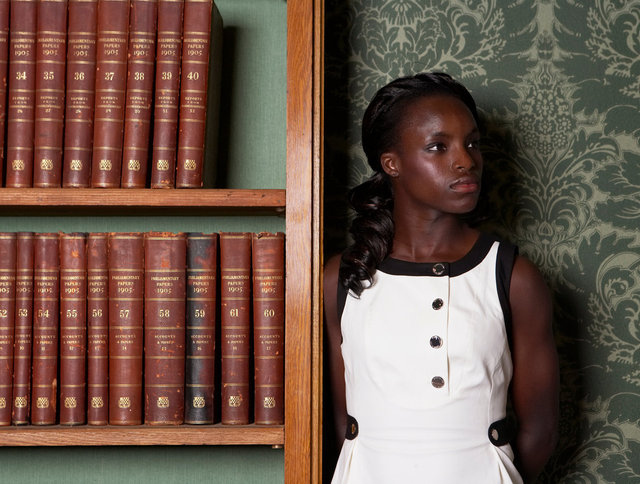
{"x": 535, "y": 384}
{"x": 333, "y": 342}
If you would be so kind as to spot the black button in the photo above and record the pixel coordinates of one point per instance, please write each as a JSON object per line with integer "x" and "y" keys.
{"x": 435, "y": 341}
{"x": 437, "y": 381}
{"x": 502, "y": 432}
{"x": 352, "y": 428}
{"x": 438, "y": 269}
{"x": 437, "y": 304}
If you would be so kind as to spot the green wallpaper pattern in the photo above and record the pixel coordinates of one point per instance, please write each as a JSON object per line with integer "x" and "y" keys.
{"x": 558, "y": 86}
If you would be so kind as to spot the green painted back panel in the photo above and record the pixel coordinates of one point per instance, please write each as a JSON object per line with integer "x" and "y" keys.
{"x": 157, "y": 465}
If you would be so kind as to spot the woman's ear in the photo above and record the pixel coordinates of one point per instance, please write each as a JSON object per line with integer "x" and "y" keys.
{"x": 389, "y": 163}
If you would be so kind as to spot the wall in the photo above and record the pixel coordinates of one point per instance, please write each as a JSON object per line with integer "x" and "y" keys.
{"x": 251, "y": 155}
{"x": 557, "y": 82}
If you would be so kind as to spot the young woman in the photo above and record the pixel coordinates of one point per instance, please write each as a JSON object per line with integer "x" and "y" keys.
{"x": 432, "y": 325}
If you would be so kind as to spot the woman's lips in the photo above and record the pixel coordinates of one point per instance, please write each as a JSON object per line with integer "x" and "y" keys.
{"x": 466, "y": 185}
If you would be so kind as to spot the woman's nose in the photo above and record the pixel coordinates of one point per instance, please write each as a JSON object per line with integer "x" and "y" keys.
{"x": 463, "y": 160}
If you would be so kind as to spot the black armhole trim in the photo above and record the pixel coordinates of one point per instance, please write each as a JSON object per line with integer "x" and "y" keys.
{"x": 506, "y": 258}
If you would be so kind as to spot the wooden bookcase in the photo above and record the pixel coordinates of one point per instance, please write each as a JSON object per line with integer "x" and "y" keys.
{"x": 301, "y": 204}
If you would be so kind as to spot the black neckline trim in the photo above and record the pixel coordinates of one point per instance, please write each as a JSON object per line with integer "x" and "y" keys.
{"x": 478, "y": 252}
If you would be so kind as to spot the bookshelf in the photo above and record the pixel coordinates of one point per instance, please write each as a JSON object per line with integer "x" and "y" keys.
{"x": 299, "y": 203}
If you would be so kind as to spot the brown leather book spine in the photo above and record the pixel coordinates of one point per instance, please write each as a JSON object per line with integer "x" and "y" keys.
{"x": 73, "y": 328}
{"x": 164, "y": 307}
{"x": 7, "y": 312}
{"x": 167, "y": 93}
{"x": 23, "y": 332}
{"x": 111, "y": 80}
{"x": 202, "y": 264}
{"x": 139, "y": 99}
{"x": 81, "y": 78}
{"x": 126, "y": 305}
{"x": 21, "y": 99}
{"x": 46, "y": 291}
{"x": 267, "y": 253}
{"x": 97, "y": 329}
{"x": 235, "y": 321}
{"x": 4, "y": 65}
{"x": 196, "y": 47}
{"x": 51, "y": 50}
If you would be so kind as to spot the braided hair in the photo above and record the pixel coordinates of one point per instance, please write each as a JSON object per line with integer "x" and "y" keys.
{"x": 372, "y": 227}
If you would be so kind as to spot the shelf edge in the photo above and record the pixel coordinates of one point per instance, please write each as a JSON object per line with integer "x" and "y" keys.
{"x": 143, "y": 197}
{"x": 140, "y": 435}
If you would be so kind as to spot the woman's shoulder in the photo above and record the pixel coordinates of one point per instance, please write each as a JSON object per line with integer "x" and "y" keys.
{"x": 332, "y": 270}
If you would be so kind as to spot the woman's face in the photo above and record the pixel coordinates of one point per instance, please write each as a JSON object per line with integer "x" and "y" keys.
{"x": 436, "y": 164}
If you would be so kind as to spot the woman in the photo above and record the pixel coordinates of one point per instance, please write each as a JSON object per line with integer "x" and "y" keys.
{"x": 431, "y": 324}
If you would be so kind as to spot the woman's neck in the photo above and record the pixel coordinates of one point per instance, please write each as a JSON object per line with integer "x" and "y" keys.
{"x": 441, "y": 239}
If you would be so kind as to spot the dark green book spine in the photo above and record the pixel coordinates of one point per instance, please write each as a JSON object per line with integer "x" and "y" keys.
{"x": 202, "y": 255}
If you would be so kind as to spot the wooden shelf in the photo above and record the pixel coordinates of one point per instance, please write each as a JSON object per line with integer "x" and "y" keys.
{"x": 265, "y": 199}
{"x": 58, "y": 435}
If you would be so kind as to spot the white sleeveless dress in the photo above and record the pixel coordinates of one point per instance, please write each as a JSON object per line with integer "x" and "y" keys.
{"x": 427, "y": 370}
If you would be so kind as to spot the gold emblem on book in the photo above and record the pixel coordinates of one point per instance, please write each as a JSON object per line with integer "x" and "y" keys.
{"x": 46, "y": 164}
{"x": 163, "y": 402}
{"x": 3, "y": 402}
{"x": 198, "y": 402}
{"x": 124, "y": 402}
{"x": 70, "y": 402}
{"x": 162, "y": 165}
{"x": 190, "y": 165}
{"x": 75, "y": 165}
{"x": 17, "y": 165}
{"x": 235, "y": 400}
{"x": 20, "y": 402}
{"x": 105, "y": 165}
{"x": 42, "y": 402}
{"x": 269, "y": 402}
{"x": 134, "y": 165}
{"x": 97, "y": 402}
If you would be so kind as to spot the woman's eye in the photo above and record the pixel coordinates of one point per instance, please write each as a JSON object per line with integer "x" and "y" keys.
{"x": 475, "y": 144}
{"x": 436, "y": 147}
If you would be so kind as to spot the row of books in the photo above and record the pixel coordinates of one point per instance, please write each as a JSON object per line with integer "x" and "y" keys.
{"x": 107, "y": 93}
{"x": 121, "y": 328}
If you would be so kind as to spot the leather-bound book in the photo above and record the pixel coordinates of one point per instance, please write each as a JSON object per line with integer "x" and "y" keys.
{"x": 139, "y": 98}
{"x": 167, "y": 93}
{"x": 126, "y": 305}
{"x": 21, "y": 97}
{"x": 164, "y": 328}
{"x": 97, "y": 329}
{"x": 51, "y": 51}
{"x": 81, "y": 79}
{"x": 23, "y": 332}
{"x": 267, "y": 253}
{"x": 73, "y": 328}
{"x": 46, "y": 290}
{"x": 4, "y": 64}
{"x": 111, "y": 80}
{"x": 7, "y": 311}
{"x": 201, "y": 17}
{"x": 235, "y": 322}
{"x": 202, "y": 264}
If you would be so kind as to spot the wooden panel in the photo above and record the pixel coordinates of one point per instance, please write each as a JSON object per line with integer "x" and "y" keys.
{"x": 303, "y": 201}
{"x": 317, "y": 263}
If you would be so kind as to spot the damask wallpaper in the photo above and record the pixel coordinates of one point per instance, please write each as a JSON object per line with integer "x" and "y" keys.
{"x": 558, "y": 86}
